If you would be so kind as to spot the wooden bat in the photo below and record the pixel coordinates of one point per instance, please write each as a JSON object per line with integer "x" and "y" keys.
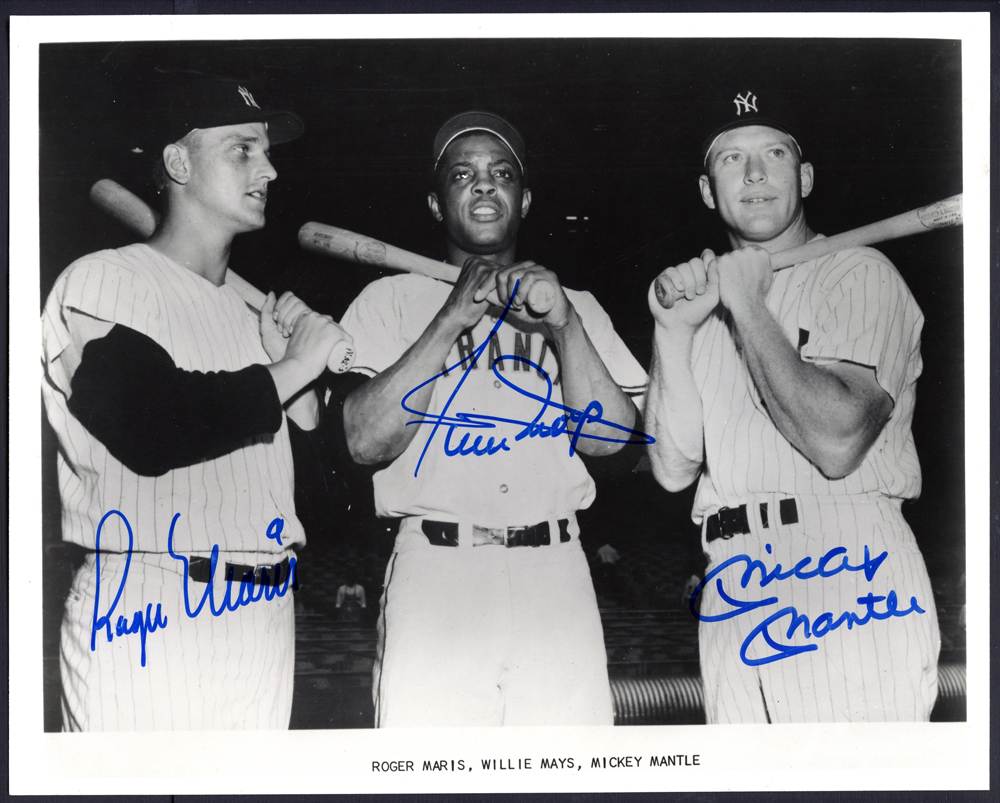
{"x": 343, "y": 244}
{"x": 933, "y": 216}
{"x": 130, "y": 209}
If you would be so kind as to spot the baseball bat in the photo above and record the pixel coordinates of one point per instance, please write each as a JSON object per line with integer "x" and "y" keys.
{"x": 130, "y": 209}
{"x": 343, "y": 244}
{"x": 933, "y": 216}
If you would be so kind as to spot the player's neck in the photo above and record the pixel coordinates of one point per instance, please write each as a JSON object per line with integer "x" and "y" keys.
{"x": 457, "y": 255}
{"x": 198, "y": 248}
{"x": 796, "y": 234}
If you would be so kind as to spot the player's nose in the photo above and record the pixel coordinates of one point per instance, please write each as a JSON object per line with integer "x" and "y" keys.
{"x": 484, "y": 184}
{"x": 265, "y": 169}
{"x": 754, "y": 171}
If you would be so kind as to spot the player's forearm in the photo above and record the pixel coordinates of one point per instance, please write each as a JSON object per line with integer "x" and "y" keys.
{"x": 375, "y": 421}
{"x": 814, "y": 408}
{"x": 585, "y": 379}
{"x": 304, "y": 410}
{"x": 673, "y": 414}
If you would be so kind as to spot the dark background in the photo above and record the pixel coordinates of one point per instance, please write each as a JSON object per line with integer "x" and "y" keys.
{"x": 612, "y": 129}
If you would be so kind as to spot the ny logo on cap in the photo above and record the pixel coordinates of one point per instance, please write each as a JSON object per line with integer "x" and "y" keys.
{"x": 247, "y": 97}
{"x": 747, "y": 101}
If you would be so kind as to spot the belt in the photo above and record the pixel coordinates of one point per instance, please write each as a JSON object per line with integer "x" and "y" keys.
{"x": 445, "y": 533}
{"x": 730, "y": 521}
{"x": 266, "y": 574}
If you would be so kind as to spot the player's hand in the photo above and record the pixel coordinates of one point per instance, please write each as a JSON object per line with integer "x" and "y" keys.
{"x": 465, "y": 305}
{"x": 277, "y": 321}
{"x": 273, "y": 340}
{"x": 524, "y": 275}
{"x": 745, "y": 276}
{"x": 697, "y": 285}
{"x": 311, "y": 342}
{"x": 287, "y": 310}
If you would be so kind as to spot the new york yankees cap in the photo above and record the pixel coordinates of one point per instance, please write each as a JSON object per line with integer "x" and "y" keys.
{"x": 744, "y": 108}
{"x": 467, "y": 122}
{"x": 180, "y": 101}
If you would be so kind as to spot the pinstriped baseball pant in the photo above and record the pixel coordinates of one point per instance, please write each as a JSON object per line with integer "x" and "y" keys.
{"x": 865, "y": 669}
{"x": 231, "y": 671}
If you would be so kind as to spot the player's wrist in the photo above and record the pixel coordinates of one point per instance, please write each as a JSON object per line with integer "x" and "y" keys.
{"x": 560, "y": 324}
{"x": 746, "y": 307}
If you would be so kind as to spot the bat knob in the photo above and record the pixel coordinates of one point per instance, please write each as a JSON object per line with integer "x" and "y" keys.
{"x": 664, "y": 293}
{"x": 341, "y": 358}
{"x": 541, "y": 298}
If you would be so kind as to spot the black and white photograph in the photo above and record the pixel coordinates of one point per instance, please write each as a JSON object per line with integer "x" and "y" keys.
{"x": 500, "y": 403}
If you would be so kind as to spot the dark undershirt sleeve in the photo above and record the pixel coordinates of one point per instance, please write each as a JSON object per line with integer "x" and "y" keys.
{"x": 622, "y": 461}
{"x": 333, "y": 494}
{"x": 153, "y": 416}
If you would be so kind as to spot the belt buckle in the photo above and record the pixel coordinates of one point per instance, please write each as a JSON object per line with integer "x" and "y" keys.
{"x": 728, "y": 521}
{"x": 488, "y": 536}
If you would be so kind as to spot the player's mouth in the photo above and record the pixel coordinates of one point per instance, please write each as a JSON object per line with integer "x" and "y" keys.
{"x": 485, "y": 211}
{"x": 259, "y": 195}
{"x": 757, "y": 199}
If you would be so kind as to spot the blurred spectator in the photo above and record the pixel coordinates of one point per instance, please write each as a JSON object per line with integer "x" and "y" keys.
{"x": 351, "y": 603}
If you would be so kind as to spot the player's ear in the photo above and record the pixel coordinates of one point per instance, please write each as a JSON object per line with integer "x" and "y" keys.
{"x": 432, "y": 202}
{"x": 525, "y": 202}
{"x": 705, "y": 185}
{"x": 806, "y": 174}
{"x": 176, "y": 163}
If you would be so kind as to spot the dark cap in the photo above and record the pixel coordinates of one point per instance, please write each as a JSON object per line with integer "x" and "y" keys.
{"x": 467, "y": 122}
{"x": 183, "y": 100}
{"x": 747, "y": 108}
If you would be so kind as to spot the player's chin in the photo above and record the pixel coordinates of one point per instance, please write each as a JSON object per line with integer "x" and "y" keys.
{"x": 486, "y": 243}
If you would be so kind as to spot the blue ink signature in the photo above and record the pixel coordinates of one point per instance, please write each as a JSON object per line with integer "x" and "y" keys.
{"x": 150, "y": 622}
{"x": 265, "y": 588}
{"x": 141, "y": 625}
{"x": 822, "y": 624}
{"x": 593, "y": 414}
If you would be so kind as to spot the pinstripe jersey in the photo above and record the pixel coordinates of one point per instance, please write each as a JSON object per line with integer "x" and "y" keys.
{"x": 229, "y": 500}
{"x": 537, "y": 479}
{"x": 853, "y": 306}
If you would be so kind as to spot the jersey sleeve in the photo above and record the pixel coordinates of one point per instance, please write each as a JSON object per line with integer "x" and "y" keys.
{"x": 623, "y": 367}
{"x": 868, "y": 316}
{"x": 373, "y": 319}
{"x": 99, "y": 289}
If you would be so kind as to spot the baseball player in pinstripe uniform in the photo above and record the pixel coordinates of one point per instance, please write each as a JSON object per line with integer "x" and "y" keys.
{"x": 488, "y": 616}
{"x": 789, "y": 396}
{"x": 175, "y": 408}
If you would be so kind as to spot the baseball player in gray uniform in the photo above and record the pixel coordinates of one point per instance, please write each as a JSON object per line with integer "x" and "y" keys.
{"x": 175, "y": 408}
{"x": 789, "y": 396}
{"x": 488, "y": 615}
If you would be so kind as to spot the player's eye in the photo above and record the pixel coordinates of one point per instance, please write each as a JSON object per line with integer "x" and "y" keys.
{"x": 778, "y": 152}
{"x": 460, "y": 175}
{"x": 242, "y": 148}
{"x": 731, "y": 158}
{"x": 504, "y": 172}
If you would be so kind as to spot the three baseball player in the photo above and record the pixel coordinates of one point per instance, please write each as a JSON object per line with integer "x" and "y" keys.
{"x": 488, "y": 615}
{"x": 175, "y": 410}
{"x": 789, "y": 397}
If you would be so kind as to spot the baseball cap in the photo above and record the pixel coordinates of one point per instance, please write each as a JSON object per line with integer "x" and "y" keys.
{"x": 180, "y": 101}
{"x": 749, "y": 108}
{"x": 479, "y": 121}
